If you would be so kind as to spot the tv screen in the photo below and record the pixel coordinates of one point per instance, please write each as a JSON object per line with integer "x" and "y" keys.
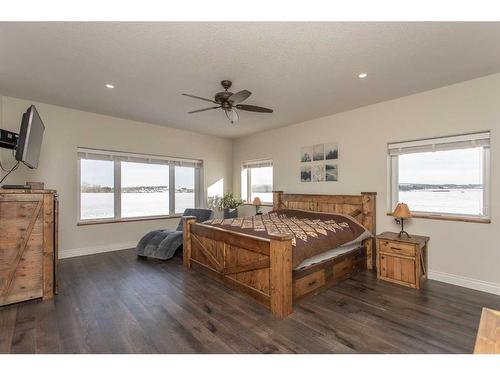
{"x": 30, "y": 138}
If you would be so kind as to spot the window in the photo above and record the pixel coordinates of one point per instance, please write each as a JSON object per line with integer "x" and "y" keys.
{"x": 257, "y": 181}
{"x": 97, "y": 189}
{"x": 115, "y": 185}
{"x": 145, "y": 189}
{"x": 446, "y": 176}
{"x": 184, "y": 188}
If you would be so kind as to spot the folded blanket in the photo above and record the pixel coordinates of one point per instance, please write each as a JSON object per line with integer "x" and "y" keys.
{"x": 314, "y": 232}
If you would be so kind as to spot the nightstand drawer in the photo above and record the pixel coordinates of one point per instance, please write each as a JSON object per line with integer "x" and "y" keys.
{"x": 397, "y": 248}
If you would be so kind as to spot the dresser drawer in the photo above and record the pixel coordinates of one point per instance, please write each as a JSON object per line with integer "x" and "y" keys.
{"x": 398, "y": 248}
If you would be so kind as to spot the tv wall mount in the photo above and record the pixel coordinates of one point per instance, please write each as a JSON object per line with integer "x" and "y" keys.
{"x": 8, "y": 139}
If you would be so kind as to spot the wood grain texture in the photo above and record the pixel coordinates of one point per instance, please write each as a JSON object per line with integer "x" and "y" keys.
{"x": 488, "y": 334}
{"x": 402, "y": 260}
{"x": 26, "y": 246}
{"x": 56, "y": 243}
{"x": 48, "y": 246}
{"x": 447, "y": 218}
{"x": 115, "y": 303}
{"x": 186, "y": 239}
{"x": 313, "y": 279}
{"x": 280, "y": 273}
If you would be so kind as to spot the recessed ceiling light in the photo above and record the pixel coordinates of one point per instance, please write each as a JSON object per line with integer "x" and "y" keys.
{"x": 363, "y": 75}
{"x": 110, "y": 86}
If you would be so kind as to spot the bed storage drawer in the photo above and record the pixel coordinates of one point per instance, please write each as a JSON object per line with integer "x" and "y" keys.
{"x": 309, "y": 283}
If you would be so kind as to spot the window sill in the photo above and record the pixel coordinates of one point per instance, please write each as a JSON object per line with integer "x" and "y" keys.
{"x": 260, "y": 205}
{"x": 449, "y": 218}
{"x": 127, "y": 220}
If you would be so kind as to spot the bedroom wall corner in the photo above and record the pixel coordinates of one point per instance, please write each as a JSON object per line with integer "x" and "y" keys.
{"x": 458, "y": 251}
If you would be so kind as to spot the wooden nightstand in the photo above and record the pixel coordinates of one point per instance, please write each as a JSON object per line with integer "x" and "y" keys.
{"x": 402, "y": 260}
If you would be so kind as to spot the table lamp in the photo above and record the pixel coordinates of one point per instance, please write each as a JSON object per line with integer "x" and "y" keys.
{"x": 401, "y": 213}
{"x": 257, "y": 203}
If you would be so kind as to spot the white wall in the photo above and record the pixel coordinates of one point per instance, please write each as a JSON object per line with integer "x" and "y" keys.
{"x": 463, "y": 253}
{"x": 67, "y": 129}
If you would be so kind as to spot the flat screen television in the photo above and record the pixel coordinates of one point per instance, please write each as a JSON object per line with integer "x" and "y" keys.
{"x": 30, "y": 138}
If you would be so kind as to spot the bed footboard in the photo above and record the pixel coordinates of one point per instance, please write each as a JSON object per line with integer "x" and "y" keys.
{"x": 258, "y": 267}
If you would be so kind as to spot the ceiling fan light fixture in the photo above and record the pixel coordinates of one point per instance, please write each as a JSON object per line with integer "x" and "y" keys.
{"x": 232, "y": 115}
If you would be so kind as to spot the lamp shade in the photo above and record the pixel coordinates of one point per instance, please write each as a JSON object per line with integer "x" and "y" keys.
{"x": 402, "y": 211}
{"x": 257, "y": 202}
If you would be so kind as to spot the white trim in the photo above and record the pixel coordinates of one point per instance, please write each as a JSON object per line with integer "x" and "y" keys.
{"x": 146, "y": 158}
{"x": 70, "y": 253}
{"x": 393, "y": 188}
{"x": 429, "y": 142}
{"x": 117, "y": 212}
{"x": 486, "y": 182}
{"x": 171, "y": 190}
{"x": 249, "y": 183}
{"x": 466, "y": 282}
{"x": 248, "y": 165}
{"x": 79, "y": 188}
{"x": 258, "y": 163}
{"x": 117, "y": 189}
{"x": 393, "y": 182}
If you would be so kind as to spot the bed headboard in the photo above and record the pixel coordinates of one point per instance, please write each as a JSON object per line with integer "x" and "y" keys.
{"x": 361, "y": 207}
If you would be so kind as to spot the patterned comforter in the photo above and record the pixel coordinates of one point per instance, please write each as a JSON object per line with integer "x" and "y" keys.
{"x": 314, "y": 232}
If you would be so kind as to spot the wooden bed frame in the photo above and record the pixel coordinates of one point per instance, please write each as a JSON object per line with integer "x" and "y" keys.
{"x": 262, "y": 268}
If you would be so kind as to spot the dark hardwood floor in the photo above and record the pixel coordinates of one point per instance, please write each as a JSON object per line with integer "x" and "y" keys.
{"x": 115, "y": 303}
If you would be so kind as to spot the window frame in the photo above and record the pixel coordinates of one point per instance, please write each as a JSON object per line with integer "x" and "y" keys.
{"x": 393, "y": 178}
{"x": 117, "y": 157}
{"x": 248, "y": 165}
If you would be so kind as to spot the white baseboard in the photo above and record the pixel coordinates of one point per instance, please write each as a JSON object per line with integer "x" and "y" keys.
{"x": 70, "y": 253}
{"x": 466, "y": 282}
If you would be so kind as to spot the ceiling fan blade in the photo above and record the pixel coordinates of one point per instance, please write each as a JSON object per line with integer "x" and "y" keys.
{"x": 204, "y": 109}
{"x": 239, "y": 96}
{"x": 199, "y": 97}
{"x": 232, "y": 115}
{"x": 254, "y": 108}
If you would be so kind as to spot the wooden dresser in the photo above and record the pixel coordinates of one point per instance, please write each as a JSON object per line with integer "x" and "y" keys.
{"x": 28, "y": 245}
{"x": 402, "y": 260}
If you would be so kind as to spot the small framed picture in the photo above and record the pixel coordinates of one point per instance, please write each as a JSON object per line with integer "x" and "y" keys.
{"x": 306, "y": 154}
{"x": 305, "y": 173}
{"x": 319, "y": 152}
{"x": 318, "y": 173}
{"x": 331, "y": 172}
{"x": 331, "y": 151}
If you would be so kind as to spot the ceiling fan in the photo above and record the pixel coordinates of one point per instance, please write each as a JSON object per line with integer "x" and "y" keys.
{"x": 229, "y": 102}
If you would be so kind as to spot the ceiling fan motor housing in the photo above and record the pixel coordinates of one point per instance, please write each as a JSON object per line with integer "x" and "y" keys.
{"x": 222, "y": 97}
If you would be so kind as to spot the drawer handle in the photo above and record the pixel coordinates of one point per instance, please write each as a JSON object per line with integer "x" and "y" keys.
{"x": 310, "y": 283}
{"x": 396, "y": 248}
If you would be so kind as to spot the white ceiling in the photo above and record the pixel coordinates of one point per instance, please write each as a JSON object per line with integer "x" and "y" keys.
{"x": 301, "y": 70}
